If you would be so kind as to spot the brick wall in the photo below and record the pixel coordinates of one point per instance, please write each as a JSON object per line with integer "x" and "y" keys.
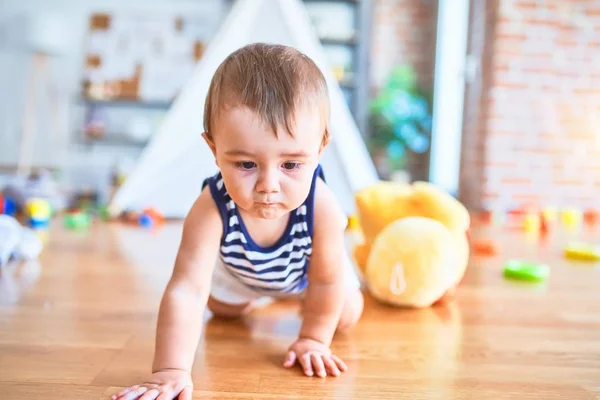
{"x": 403, "y": 33}
{"x": 542, "y": 105}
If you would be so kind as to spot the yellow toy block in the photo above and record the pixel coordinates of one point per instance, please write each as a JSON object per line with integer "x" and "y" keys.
{"x": 38, "y": 208}
{"x": 571, "y": 216}
{"x": 532, "y": 223}
{"x": 582, "y": 251}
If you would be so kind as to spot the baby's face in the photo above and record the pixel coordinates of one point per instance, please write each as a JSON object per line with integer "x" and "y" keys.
{"x": 267, "y": 175}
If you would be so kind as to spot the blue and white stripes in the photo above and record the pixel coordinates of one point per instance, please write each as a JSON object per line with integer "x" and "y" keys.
{"x": 280, "y": 268}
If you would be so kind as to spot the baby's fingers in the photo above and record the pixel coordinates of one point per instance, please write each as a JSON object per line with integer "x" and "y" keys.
{"x": 150, "y": 394}
{"x": 186, "y": 394}
{"x": 290, "y": 359}
{"x": 338, "y": 361}
{"x": 306, "y": 364}
{"x": 134, "y": 394}
{"x": 123, "y": 392}
{"x": 331, "y": 366}
{"x": 317, "y": 362}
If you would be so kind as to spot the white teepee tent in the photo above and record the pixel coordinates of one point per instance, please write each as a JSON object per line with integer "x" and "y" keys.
{"x": 169, "y": 173}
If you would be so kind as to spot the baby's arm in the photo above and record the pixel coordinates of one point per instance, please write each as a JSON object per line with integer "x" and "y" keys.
{"x": 325, "y": 292}
{"x": 183, "y": 303}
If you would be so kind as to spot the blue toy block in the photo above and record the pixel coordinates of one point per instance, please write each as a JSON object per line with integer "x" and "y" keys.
{"x": 145, "y": 220}
{"x": 38, "y": 223}
{"x": 10, "y": 207}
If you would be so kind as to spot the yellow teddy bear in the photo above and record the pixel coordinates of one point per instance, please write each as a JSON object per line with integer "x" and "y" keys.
{"x": 415, "y": 248}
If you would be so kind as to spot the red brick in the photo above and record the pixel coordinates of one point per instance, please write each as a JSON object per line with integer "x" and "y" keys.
{"x": 516, "y": 181}
{"x": 548, "y": 88}
{"x": 527, "y": 197}
{"x": 539, "y": 71}
{"x": 569, "y": 182}
{"x": 537, "y": 22}
{"x": 510, "y": 85}
{"x": 566, "y": 42}
{"x": 518, "y": 37}
{"x": 526, "y": 4}
{"x": 590, "y": 91}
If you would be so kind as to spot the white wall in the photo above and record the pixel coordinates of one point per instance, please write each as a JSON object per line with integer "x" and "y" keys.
{"x": 83, "y": 165}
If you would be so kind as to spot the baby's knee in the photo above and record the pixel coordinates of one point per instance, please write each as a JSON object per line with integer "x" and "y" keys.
{"x": 352, "y": 311}
{"x": 224, "y": 310}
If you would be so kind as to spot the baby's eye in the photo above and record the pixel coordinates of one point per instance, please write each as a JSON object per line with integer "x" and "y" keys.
{"x": 290, "y": 166}
{"x": 246, "y": 165}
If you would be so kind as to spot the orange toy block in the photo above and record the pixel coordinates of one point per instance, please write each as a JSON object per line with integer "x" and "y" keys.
{"x": 153, "y": 213}
{"x": 591, "y": 216}
{"x": 485, "y": 247}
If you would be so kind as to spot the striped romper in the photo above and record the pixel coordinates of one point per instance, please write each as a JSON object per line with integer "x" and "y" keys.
{"x": 246, "y": 271}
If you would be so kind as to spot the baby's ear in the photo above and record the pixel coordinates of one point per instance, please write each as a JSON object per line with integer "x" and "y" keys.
{"x": 210, "y": 143}
{"x": 324, "y": 143}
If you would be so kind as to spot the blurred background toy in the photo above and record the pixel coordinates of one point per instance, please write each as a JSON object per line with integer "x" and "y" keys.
{"x": 38, "y": 212}
{"x": 526, "y": 270}
{"x": 484, "y": 247}
{"x": 582, "y": 251}
{"x": 77, "y": 220}
{"x": 16, "y": 241}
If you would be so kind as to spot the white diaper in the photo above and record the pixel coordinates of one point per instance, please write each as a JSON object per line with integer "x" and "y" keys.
{"x": 226, "y": 288}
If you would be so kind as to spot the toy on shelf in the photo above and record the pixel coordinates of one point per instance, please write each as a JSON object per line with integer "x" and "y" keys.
{"x": 582, "y": 251}
{"x": 415, "y": 248}
{"x": 17, "y": 242}
{"x": 526, "y": 271}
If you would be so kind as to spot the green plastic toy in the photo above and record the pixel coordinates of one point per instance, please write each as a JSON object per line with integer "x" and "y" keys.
{"x": 526, "y": 271}
{"x": 77, "y": 220}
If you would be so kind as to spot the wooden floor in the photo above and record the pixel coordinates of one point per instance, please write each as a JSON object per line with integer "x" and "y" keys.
{"x": 80, "y": 325}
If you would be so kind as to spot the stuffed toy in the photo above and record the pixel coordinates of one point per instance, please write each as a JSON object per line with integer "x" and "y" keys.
{"x": 415, "y": 248}
{"x": 16, "y": 241}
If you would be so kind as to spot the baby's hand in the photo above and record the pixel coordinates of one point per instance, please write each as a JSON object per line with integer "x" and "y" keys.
{"x": 167, "y": 384}
{"x": 313, "y": 355}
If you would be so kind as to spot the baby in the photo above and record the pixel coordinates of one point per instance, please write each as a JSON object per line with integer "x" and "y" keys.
{"x": 266, "y": 225}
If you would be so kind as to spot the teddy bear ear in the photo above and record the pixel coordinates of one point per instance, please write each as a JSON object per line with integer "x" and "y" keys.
{"x": 442, "y": 206}
{"x": 380, "y": 204}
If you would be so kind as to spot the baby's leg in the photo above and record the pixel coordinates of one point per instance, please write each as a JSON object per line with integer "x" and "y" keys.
{"x": 229, "y": 298}
{"x": 352, "y": 311}
{"x": 225, "y": 310}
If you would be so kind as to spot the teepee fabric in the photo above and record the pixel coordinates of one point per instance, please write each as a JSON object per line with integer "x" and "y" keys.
{"x": 170, "y": 170}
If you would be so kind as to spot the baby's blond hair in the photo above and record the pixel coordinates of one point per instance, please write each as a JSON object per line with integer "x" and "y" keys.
{"x": 271, "y": 80}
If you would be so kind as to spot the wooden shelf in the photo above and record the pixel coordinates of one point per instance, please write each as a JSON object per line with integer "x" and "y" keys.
{"x": 358, "y": 44}
{"x": 338, "y": 42}
{"x": 334, "y": 1}
{"x": 112, "y": 139}
{"x": 127, "y": 103}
